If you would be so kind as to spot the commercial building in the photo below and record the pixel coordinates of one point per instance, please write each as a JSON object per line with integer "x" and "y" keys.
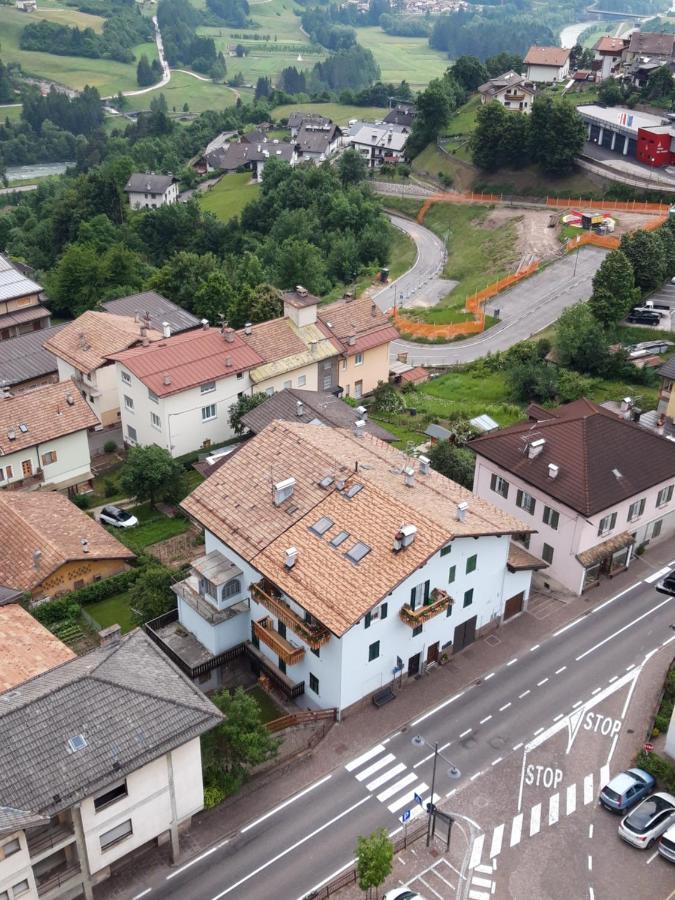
{"x": 22, "y": 307}
{"x": 547, "y": 65}
{"x": 642, "y": 136}
{"x": 148, "y": 191}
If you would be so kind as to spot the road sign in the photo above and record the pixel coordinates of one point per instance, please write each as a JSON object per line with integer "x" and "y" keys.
{"x": 648, "y": 747}
{"x": 406, "y": 815}
{"x": 418, "y": 799}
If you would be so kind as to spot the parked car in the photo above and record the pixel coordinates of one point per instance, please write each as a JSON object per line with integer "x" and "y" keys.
{"x": 667, "y": 584}
{"x": 402, "y": 893}
{"x": 120, "y": 518}
{"x": 649, "y": 318}
{"x": 666, "y": 845}
{"x": 648, "y": 821}
{"x": 626, "y": 789}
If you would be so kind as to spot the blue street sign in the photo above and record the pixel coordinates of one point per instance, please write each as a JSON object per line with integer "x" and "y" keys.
{"x": 405, "y": 816}
{"x": 418, "y": 799}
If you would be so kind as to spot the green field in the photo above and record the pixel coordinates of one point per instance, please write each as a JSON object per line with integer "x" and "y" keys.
{"x": 199, "y": 95}
{"x": 230, "y": 195}
{"x": 335, "y": 111}
{"x": 13, "y": 113}
{"x": 403, "y": 58}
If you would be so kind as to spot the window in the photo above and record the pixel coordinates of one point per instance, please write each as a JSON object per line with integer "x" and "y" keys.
{"x": 471, "y": 563}
{"x": 665, "y": 495}
{"x": 358, "y": 359}
{"x": 323, "y": 525}
{"x": 606, "y": 524}
{"x": 373, "y": 651}
{"x": 327, "y": 382}
{"x": 232, "y": 588}
{"x": 10, "y": 848}
{"x": 126, "y": 377}
{"x": 4, "y": 895}
{"x": 5, "y": 476}
{"x": 367, "y": 619}
{"x": 499, "y": 485}
{"x": 128, "y": 402}
{"x": 316, "y": 651}
{"x": 116, "y": 834}
{"x": 207, "y": 588}
{"x": 656, "y": 528}
{"x": 110, "y": 796}
{"x": 152, "y": 396}
{"x": 419, "y": 594}
{"x": 417, "y": 630}
{"x": 49, "y": 457}
{"x": 468, "y": 597}
{"x": 339, "y": 538}
{"x": 131, "y": 434}
{"x": 451, "y": 574}
{"x": 525, "y": 501}
{"x": 345, "y": 363}
{"x": 155, "y": 421}
{"x": 208, "y": 412}
{"x": 20, "y": 888}
{"x": 445, "y": 550}
{"x": 636, "y": 509}
{"x": 270, "y": 391}
{"x": 207, "y": 387}
{"x": 288, "y": 385}
{"x": 551, "y": 517}
{"x": 240, "y": 374}
{"x": 384, "y": 609}
{"x": 313, "y": 683}
{"x": 547, "y": 553}
{"x": 302, "y": 380}
{"x": 358, "y": 552}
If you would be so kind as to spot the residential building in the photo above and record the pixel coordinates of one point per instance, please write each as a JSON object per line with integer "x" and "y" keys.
{"x": 379, "y": 145}
{"x": 177, "y": 392}
{"x": 591, "y": 484}
{"x": 647, "y": 51}
{"x": 402, "y": 114}
{"x": 146, "y": 190}
{"x": 82, "y": 349}
{"x": 298, "y": 118}
{"x": 362, "y": 333}
{"x": 249, "y": 156}
{"x": 50, "y": 547}
{"x": 22, "y": 308}
{"x": 512, "y": 90}
{"x": 26, "y": 647}
{"x": 154, "y": 311}
{"x": 202, "y": 165}
{"x": 43, "y": 439}
{"x": 25, "y": 363}
{"x": 335, "y": 563}
{"x": 317, "y": 407}
{"x": 101, "y": 757}
{"x": 608, "y": 56}
{"x": 546, "y": 65}
{"x": 639, "y": 135}
{"x": 317, "y": 140}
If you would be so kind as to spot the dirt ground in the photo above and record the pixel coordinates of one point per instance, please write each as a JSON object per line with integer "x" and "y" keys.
{"x": 535, "y": 238}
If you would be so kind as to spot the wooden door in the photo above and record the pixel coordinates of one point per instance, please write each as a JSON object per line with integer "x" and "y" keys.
{"x": 432, "y": 653}
{"x": 514, "y": 605}
{"x": 27, "y": 468}
{"x": 413, "y": 665}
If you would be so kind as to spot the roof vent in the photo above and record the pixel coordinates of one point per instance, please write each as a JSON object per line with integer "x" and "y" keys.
{"x": 166, "y": 381}
{"x": 362, "y": 412}
{"x": 283, "y": 490}
{"x": 359, "y": 427}
{"x": 617, "y": 474}
{"x": 76, "y": 742}
{"x": 229, "y": 335}
{"x": 299, "y": 408}
{"x": 37, "y": 557}
{"x": 340, "y": 484}
{"x": 248, "y": 328}
{"x": 404, "y": 537}
{"x": 461, "y": 510}
{"x": 11, "y": 435}
{"x": 228, "y": 362}
{"x": 424, "y": 463}
{"x": 290, "y": 557}
{"x": 85, "y": 545}
{"x": 23, "y": 428}
{"x": 205, "y": 324}
{"x": 535, "y": 448}
{"x": 166, "y": 329}
{"x": 373, "y": 309}
{"x": 70, "y": 400}
{"x": 409, "y": 476}
{"x": 553, "y": 470}
{"x": 326, "y": 482}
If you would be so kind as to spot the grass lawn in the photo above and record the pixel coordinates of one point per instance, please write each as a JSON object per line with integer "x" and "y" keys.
{"x": 153, "y": 527}
{"x": 464, "y": 120}
{"x": 335, "y": 111}
{"x": 230, "y": 195}
{"x": 268, "y": 708}
{"x": 114, "y": 610}
{"x": 13, "y": 113}
{"x": 199, "y": 95}
{"x": 403, "y": 58}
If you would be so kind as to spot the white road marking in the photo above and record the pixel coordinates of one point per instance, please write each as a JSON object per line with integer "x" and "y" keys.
{"x": 656, "y": 575}
{"x": 486, "y": 719}
{"x": 558, "y": 717}
{"x": 631, "y": 666}
{"x": 578, "y": 703}
{"x": 476, "y": 851}
{"x": 481, "y": 882}
{"x": 505, "y": 706}
{"x": 524, "y": 694}
{"x": 464, "y": 733}
{"x": 588, "y": 789}
{"x": 512, "y": 661}
{"x": 285, "y": 803}
{"x": 621, "y": 630}
{"x": 653, "y": 857}
{"x": 438, "y": 708}
{"x": 386, "y": 776}
{"x": 571, "y": 799}
{"x": 408, "y": 798}
{"x": 590, "y": 863}
{"x": 496, "y": 845}
{"x": 334, "y": 874}
{"x": 596, "y": 691}
{"x": 488, "y": 677}
{"x": 543, "y": 681}
{"x": 538, "y": 731}
{"x": 142, "y": 894}
{"x": 424, "y": 759}
{"x": 553, "y": 809}
{"x": 516, "y": 829}
{"x": 591, "y": 893}
{"x": 476, "y": 775}
{"x": 360, "y": 760}
{"x": 396, "y": 788}
{"x": 450, "y": 793}
{"x": 604, "y": 774}
{"x": 486, "y": 870}
{"x": 495, "y": 762}
{"x": 429, "y": 887}
{"x": 198, "y": 858}
{"x": 590, "y": 830}
{"x": 517, "y": 747}
{"x": 536, "y": 647}
{"x": 561, "y": 669}
{"x": 478, "y": 895}
{"x": 567, "y": 627}
{"x": 613, "y": 679}
{"x": 535, "y": 819}
{"x": 376, "y": 766}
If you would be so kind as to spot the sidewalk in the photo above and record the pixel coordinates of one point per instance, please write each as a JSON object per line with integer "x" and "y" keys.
{"x": 365, "y": 727}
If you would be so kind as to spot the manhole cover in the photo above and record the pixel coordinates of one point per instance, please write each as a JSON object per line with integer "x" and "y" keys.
{"x": 480, "y": 802}
{"x": 493, "y": 640}
{"x": 497, "y": 742}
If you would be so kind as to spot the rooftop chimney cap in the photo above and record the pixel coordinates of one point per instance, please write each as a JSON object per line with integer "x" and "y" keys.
{"x": 301, "y": 291}
{"x": 424, "y": 463}
{"x": 166, "y": 380}
{"x": 290, "y": 557}
{"x": 534, "y": 448}
{"x": 248, "y": 328}
{"x": 228, "y": 362}
{"x": 37, "y": 556}
{"x": 299, "y": 408}
{"x": 359, "y": 427}
{"x": 205, "y": 324}
{"x": 166, "y": 329}
{"x": 283, "y": 490}
{"x": 409, "y": 476}
{"x": 362, "y": 412}
{"x": 461, "y": 510}
{"x": 553, "y": 470}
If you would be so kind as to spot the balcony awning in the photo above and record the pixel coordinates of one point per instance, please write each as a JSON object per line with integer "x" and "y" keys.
{"x": 520, "y": 560}
{"x": 605, "y": 549}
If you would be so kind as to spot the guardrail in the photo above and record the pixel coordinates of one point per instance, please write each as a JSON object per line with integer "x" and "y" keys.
{"x": 300, "y": 718}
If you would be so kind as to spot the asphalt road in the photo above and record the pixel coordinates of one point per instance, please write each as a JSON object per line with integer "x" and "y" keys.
{"x": 308, "y": 838}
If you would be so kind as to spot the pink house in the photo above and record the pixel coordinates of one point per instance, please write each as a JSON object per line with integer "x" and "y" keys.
{"x": 593, "y": 484}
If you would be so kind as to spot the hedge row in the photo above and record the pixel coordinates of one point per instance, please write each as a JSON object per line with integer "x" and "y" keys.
{"x": 660, "y": 768}
{"x": 68, "y": 606}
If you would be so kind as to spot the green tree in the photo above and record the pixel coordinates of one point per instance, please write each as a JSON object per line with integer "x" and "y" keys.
{"x": 469, "y": 72}
{"x": 150, "y": 595}
{"x": 614, "y": 291}
{"x": 213, "y": 297}
{"x": 647, "y": 256}
{"x": 144, "y": 74}
{"x": 74, "y": 284}
{"x": 659, "y": 84}
{"x": 557, "y": 135}
{"x": 434, "y": 106}
{"x": 503, "y": 62}
{"x": 610, "y": 92}
{"x": 351, "y": 168}
{"x": 183, "y": 275}
{"x": 580, "y": 340}
{"x": 486, "y": 143}
{"x": 665, "y": 235}
{"x": 243, "y": 405}
{"x": 266, "y": 303}
{"x": 533, "y": 380}
{"x": 386, "y": 399}
{"x": 374, "y": 855}
{"x": 150, "y": 473}
{"x": 456, "y": 463}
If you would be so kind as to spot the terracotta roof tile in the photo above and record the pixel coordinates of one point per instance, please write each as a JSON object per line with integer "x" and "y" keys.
{"x": 46, "y": 413}
{"x": 47, "y": 521}
{"x": 521, "y": 559}
{"x": 93, "y": 336}
{"x": 26, "y": 647}
{"x": 546, "y": 56}
{"x": 608, "y": 44}
{"x": 274, "y": 340}
{"x": 360, "y": 319}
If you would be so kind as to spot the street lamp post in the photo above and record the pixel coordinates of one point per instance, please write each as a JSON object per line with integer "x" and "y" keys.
{"x": 453, "y": 772}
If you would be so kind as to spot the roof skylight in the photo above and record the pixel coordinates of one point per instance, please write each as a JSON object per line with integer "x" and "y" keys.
{"x": 322, "y": 526}
{"x": 358, "y": 552}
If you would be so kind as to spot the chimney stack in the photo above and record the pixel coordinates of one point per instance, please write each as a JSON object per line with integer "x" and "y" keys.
{"x": 461, "y": 510}
{"x": 362, "y": 412}
{"x": 553, "y": 470}
{"x": 299, "y": 408}
{"x": 228, "y": 362}
{"x": 166, "y": 380}
{"x": 424, "y": 463}
{"x": 229, "y": 335}
{"x": 535, "y": 448}
{"x": 359, "y": 427}
{"x": 166, "y": 329}
{"x": 291, "y": 556}
{"x": 205, "y": 324}
{"x": 37, "y": 558}
{"x": 373, "y": 309}
{"x": 85, "y": 545}
{"x": 409, "y": 476}
{"x": 248, "y": 328}
{"x": 108, "y": 637}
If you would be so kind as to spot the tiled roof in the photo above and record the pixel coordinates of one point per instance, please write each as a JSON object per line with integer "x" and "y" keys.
{"x": 651, "y": 43}
{"x": 507, "y": 80}
{"x": 13, "y": 282}
{"x": 284, "y": 347}
{"x": 47, "y": 412}
{"x": 21, "y": 316}
{"x": 667, "y": 370}
{"x": 15, "y": 819}
{"x": 313, "y": 138}
{"x": 274, "y": 340}
{"x": 235, "y": 503}
{"x": 546, "y": 56}
{"x": 142, "y": 182}
{"x": 520, "y": 559}
{"x": 418, "y": 375}
{"x": 24, "y": 357}
{"x": 86, "y": 342}
{"x": 316, "y": 406}
{"x": 26, "y": 647}
{"x": 129, "y": 703}
{"x": 188, "y": 359}
{"x": 158, "y": 308}
{"x": 361, "y": 319}
{"x": 48, "y": 522}
{"x": 403, "y": 114}
{"x": 601, "y": 457}
{"x": 608, "y": 44}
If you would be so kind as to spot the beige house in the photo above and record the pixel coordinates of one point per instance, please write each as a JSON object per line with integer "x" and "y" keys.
{"x": 547, "y": 65}
{"x": 512, "y": 90}
{"x": 21, "y": 309}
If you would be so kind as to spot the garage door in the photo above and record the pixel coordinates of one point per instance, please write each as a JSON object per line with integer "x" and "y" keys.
{"x": 514, "y": 605}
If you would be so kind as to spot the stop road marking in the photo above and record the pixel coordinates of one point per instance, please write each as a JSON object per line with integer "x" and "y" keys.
{"x": 601, "y": 724}
{"x": 543, "y": 775}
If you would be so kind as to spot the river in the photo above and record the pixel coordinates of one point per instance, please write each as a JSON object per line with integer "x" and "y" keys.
{"x": 570, "y": 33}
{"x": 37, "y": 170}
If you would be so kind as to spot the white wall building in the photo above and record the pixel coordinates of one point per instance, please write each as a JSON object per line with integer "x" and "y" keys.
{"x": 547, "y": 65}
{"x": 148, "y": 191}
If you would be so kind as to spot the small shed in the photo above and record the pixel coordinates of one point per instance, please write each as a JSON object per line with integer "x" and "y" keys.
{"x": 484, "y": 424}
{"x": 437, "y": 433}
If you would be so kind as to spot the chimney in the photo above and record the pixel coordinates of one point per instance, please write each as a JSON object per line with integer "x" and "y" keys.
{"x": 6, "y": 393}
{"x": 301, "y": 291}
{"x": 166, "y": 329}
{"x": 85, "y": 545}
{"x": 145, "y": 342}
{"x": 205, "y": 324}
{"x": 362, "y": 412}
{"x": 37, "y": 557}
{"x": 404, "y": 537}
{"x": 248, "y": 328}
{"x": 70, "y": 400}
{"x": 229, "y": 335}
{"x": 349, "y": 296}
{"x": 626, "y": 404}
{"x": 409, "y": 476}
{"x": 228, "y": 362}
{"x": 424, "y": 463}
{"x": 553, "y": 470}
{"x": 299, "y": 408}
{"x": 461, "y": 510}
{"x": 373, "y": 309}
{"x": 351, "y": 340}
{"x": 147, "y": 321}
{"x": 108, "y": 637}
{"x": 137, "y": 317}
{"x": 535, "y": 448}
{"x": 359, "y": 427}
{"x": 290, "y": 557}
{"x": 166, "y": 380}
{"x": 283, "y": 490}
{"x": 144, "y": 330}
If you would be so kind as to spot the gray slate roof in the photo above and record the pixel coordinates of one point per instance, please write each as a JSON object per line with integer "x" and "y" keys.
{"x": 9, "y": 594}
{"x": 140, "y": 182}
{"x": 128, "y": 701}
{"x": 438, "y": 432}
{"x": 23, "y": 358}
{"x": 14, "y": 819}
{"x": 158, "y": 308}
{"x": 667, "y": 370}
{"x": 317, "y": 405}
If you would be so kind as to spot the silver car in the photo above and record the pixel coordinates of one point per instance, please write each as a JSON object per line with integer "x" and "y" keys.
{"x": 667, "y": 845}
{"x": 649, "y": 820}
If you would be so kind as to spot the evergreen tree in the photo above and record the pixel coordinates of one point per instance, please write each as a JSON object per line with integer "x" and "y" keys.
{"x": 614, "y": 291}
{"x": 486, "y": 143}
{"x": 144, "y": 73}
{"x": 647, "y": 256}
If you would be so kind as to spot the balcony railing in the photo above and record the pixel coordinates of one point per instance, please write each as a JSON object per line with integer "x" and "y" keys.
{"x": 188, "y": 590}
{"x": 439, "y": 601}
{"x": 55, "y": 835}
{"x": 313, "y": 635}
{"x": 58, "y": 878}
{"x": 284, "y": 649}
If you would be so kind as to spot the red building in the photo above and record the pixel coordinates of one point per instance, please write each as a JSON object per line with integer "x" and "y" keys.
{"x": 654, "y": 146}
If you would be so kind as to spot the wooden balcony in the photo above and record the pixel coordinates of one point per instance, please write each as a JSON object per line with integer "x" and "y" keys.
{"x": 284, "y": 649}
{"x": 439, "y": 601}
{"x": 313, "y": 635}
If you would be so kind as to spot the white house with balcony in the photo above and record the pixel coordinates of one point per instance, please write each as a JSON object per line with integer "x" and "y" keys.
{"x": 148, "y": 191}
{"x": 338, "y": 565}
{"x": 591, "y": 485}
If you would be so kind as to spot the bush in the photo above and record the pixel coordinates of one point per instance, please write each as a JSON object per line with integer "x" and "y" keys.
{"x": 109, "y": 487}
{"x": 213, "y": 795}
{"x": 82, "y": 501}
{"x": 110, "y": 447}
{"x": 57, "y": 611}
{"x": 660, "y": 768}
{"x": 99, "y": 590}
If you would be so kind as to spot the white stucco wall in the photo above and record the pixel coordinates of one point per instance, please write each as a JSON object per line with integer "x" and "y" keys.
{"x": 293, "y": 379}
{"x": 72, "y": 461}
{"x": 548, "y": 74}
{"x": 148, "y": 200}
{"x": 104, "y": 396}
{"x": 15, "y": 868}
{"x": 216, "y": 638}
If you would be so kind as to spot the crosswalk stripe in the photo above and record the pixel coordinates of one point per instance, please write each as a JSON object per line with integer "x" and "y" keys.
{"x": 479, "y": 895}
{"x": 588, "y": 789}
{"x": 571, "y": 799}
{"x": 604, "y": 775}
{"x": 376, "y": 766}
{"x": 516, "y": 829}
{"x": 396, "y": 788}
{"x": 486, "y": 870}
{"x": 386, "y": 776}
{"x": 481, "y": 882}
{"x": 535, "y": 819}
{"x": 476, "y": 851}
{"x": 408, "y": 798}
{"x": 360, "y": 760}
{"x": 496, "y": 846}
{"x": 553, "y": 809}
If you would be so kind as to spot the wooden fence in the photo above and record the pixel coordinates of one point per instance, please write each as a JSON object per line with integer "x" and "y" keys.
{"x": 301, "y": 718}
